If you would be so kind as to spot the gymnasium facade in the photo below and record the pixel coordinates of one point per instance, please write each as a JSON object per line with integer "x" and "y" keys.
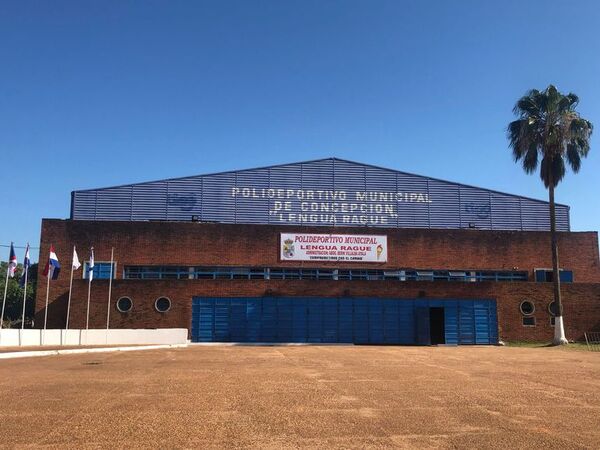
{"x": 321, "y": 251}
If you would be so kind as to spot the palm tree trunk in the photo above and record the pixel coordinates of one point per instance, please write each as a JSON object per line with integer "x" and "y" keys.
{"x": 559, "y": 330}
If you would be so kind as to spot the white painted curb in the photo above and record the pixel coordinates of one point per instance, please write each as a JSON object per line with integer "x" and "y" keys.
{"x": 74, "y": 351}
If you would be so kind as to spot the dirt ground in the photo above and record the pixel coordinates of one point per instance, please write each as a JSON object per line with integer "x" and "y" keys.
{"x": 274, "y": 397}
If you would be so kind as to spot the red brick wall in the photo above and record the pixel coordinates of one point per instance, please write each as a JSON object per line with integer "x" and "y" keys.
{"x": 178, "y": 243}
{"x": 581, "y": 301}
{"x": 186, "y": 243}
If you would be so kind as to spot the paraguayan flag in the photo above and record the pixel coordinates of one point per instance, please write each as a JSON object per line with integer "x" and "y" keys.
{"x": 52, "y": 268}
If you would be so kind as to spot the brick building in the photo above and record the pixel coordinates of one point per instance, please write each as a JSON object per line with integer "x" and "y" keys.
{"x": 321, "y": 251}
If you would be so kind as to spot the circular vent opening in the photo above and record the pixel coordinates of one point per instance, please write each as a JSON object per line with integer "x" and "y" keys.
{"x": 162, "y": 304}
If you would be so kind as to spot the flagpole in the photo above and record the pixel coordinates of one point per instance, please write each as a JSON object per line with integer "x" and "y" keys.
{"x": 90, "y": 274}
{"x": 87, "y": 320}
{"x": 112, "y": 257}
{"x": 112, "y": 253}
{"x": 5, "y": 290}
{"x": 46, "y": 311}
{"x": 70, "y": 288}
{"x": 4, "y": 300}
{"x": 24, "y": 303}
{"x": 24, "y": 298}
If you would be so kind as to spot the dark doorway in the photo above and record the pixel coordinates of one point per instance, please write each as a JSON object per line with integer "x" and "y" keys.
{"x": 437, "y": 326}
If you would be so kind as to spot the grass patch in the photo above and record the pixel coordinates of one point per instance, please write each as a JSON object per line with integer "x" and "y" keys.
{"x": 572, "y": 346}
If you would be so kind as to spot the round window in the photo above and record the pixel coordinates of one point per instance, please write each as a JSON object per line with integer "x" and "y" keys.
{"x": 527, "y": 308}
{"x": 124, "y": 304}
{"x": 552, "y": 308}
{"x": 162, "y": 304}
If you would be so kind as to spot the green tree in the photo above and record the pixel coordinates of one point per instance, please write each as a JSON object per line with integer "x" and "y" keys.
{"x": 549, "y": 128}
{"x": 13, "y": 309}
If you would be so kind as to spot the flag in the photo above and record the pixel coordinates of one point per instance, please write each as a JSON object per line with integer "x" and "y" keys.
{"x": 26, "y": 265}
{"x": 90, "y": 267}
{"x": 76, "y": 263}
{"x": 12, "y": 261}
{"x": 52, "y": 268}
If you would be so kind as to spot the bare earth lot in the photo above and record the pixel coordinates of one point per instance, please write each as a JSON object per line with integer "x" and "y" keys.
{"x": 304, "y": 396}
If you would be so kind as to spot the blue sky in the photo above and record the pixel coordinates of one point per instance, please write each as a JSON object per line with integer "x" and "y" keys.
{"x": 100, "y": 93}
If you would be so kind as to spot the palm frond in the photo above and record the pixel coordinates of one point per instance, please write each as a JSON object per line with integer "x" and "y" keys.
{"x": 581, "y": 127}
{"x": 573, "y": 157}
{"x": 573, "y": 99}
{"x": 530, "y": 161}
{"x": 515, "y": 136}
{"x": 583, "y": 146}
{"x": 564, "y": 105}
{"x": 526, "y": 106}
{"x": 548, "y": 127}
{"x": 552, "y": 98}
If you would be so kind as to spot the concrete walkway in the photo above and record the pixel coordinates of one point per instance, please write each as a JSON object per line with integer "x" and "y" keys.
{"x": 28, "y": 352}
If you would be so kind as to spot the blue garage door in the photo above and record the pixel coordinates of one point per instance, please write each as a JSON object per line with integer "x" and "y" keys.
{"x": 343, "y": 320}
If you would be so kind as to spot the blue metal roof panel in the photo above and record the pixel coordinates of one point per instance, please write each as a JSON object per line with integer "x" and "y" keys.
{"x": 320, "y": 192}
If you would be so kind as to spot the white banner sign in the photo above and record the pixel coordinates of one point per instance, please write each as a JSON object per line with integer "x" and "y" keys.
{"x": 333, "y": 247}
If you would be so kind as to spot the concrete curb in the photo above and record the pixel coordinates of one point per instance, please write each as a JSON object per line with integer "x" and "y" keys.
{"x": 270, "y": 344}
{"x": 74, "y": 351}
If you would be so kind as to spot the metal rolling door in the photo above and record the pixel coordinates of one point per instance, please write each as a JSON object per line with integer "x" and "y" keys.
{"x": 361, "y": 321}
{"x": 423, "y": 336}
{"x": 315, "y": 320}
{"x": 451, "y": 321}
{"x": 376, "y": 321}
{"x": 221, "y": 326}
{"x": 330, "y": 320}
{"x": 391, "y": 321}
{"x": 253, "y": 319}
{"x": 203, "y": 317}
{"x": 285, "y": 320}
{"x": 477, "y": 322}
{"x": 299, "y": 320}
{"x": 345, "y": 320}
{"x": 237, "y": 320}
{"x": 481, "y": 310}
{"x": 268, "y": 320}
{"x": 406, "y": 322}
{"x": 466, "y": 322}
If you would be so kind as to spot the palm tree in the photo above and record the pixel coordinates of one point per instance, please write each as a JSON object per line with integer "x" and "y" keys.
{"x": 549, "y": 128}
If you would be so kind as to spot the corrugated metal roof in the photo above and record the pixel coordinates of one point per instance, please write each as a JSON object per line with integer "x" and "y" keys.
{"x": 328, "y": 191}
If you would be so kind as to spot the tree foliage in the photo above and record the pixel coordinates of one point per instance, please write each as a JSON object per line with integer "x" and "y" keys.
{"x": 14, "y": 295}
{"x": 549, "y": 129}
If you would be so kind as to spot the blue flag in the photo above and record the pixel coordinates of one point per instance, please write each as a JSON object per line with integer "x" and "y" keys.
{"x": 90, "y": 267}
{"x": 26, "y": 265}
